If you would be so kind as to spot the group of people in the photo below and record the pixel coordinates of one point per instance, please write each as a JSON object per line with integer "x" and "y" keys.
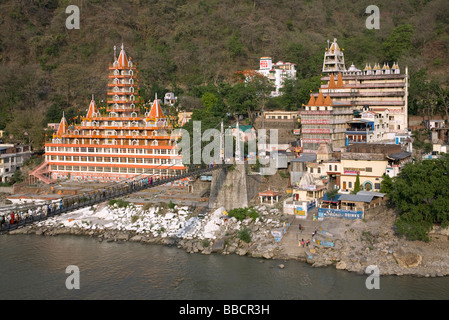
{"x": 15, "y": 217}
{"x": 305, "y": 243}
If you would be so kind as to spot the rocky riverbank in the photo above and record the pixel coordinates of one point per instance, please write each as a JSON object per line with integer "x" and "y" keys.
{"x": 357, "y": 243}
{"x": 213, "y": 232}
{"x": 361, "y": 243}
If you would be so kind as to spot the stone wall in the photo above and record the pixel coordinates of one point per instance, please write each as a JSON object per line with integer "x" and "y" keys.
{"x": 232, "y": 188}
{"x": 6, "y": 190}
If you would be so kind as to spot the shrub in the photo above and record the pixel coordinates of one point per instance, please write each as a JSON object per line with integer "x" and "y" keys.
{"x": 244, "y": 235}
{"x": 242, "y": 213}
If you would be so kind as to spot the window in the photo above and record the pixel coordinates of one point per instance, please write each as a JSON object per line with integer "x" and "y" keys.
{"x": 350, "y": 184}
{"x": 369, "y": 169}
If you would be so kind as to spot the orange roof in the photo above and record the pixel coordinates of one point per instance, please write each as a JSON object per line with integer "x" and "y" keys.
{"x": 92, "y": 108}
{"x": 311, "y": 101}
{"x": 331, "y": 84}
{"x": 328, "y": 101}
{"x": 63, "y": 125}
{"x": 269, "y": 193}
{"x": 339, "y": 81}
{"x": 122, "y": 58}
{"x": 156, "y": 110}
{"x": 320, "y": 99}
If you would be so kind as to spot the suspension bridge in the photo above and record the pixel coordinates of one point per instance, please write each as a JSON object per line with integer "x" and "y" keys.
{"x": 74, "y": 202}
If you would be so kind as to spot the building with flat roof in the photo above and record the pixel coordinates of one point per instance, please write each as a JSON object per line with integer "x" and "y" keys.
{"x": 276, "y": 73}
{"x": 323, "y": 120}
{"x": 12, "y": 157}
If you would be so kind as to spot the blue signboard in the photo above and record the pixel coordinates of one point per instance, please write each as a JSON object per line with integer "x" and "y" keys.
{"x": 340, "y": 213}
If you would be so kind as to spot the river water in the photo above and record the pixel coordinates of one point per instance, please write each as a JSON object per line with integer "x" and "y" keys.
{"x": 34, "y": 267}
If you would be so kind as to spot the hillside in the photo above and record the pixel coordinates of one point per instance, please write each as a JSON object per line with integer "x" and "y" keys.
{"x": 180, "y": 45}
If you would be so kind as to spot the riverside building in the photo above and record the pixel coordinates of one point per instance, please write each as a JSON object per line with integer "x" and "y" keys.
{"x": 323, "y": 120}
{"x": 380, "y": 88}
{"x": 121, "y": 143}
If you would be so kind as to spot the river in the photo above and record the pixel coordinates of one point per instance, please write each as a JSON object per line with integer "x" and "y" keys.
{"x": 34, "y": 267}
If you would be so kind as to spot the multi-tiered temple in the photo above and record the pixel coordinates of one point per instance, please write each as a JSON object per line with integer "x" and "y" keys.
{"x": 120, "y": 144}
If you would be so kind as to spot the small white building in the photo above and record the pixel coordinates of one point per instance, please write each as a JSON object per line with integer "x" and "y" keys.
{"x": 170, "y": 99}
{"x": 277, "y": 73}
{"x": 12, "y": 158}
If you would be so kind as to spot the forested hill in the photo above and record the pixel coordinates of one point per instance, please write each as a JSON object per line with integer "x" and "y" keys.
{"x": 180, "y": 45}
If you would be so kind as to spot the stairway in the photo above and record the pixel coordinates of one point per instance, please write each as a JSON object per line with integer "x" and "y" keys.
{"x": 40, "y": 172}
{"x": 290, "y": 242}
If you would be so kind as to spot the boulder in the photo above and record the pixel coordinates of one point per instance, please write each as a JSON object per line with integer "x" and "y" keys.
{"x": 341, "y": 265}
{"x": 407, "y": 259}
{"x": 218, "y": 246}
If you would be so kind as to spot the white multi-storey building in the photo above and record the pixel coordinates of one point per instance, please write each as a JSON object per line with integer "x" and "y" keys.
{"x": 277, "y": 73}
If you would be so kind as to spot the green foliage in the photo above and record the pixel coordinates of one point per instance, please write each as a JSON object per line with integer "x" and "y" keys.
{"x": 242, "y": 213}
{"x": 176, "y": 47}
{"x": 244, "y": 235}
{"x": 398, "y": 43}
{"x": 420, "y": 193}
{"x": 386, "y": 186}
{"x": 332, "y": 194}
{"x": 235, "y": 46}
{"x": 357, "y": 186}
{"x": 171, "y": 205}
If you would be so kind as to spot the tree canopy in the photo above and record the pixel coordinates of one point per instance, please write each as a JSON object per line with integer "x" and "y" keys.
{"x": 420, "y": 194}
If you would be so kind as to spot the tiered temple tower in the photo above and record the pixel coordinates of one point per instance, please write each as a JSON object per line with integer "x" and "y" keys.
{"x": 378, "y": 88}
{"x": 334, "y": 60}
{"x": 123, "y": 143}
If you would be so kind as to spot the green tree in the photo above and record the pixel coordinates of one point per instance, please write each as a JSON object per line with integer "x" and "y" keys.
{"x": 235, "y": 46}
{"x": 357, "y": 186}
{"x": 332, "y": 194}
{"x": 398, "y": 43}
{"x": 420, "y": 194}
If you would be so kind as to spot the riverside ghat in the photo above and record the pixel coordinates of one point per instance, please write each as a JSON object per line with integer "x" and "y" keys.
{"x": 269, "y": 234}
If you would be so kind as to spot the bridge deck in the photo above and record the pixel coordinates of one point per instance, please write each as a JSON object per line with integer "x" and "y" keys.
{"x": 71, "y": 203}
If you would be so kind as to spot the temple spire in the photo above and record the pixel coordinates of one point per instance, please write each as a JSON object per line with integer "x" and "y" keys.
{"x": 63, "y": 125}
{"x": 93, "y": 110}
